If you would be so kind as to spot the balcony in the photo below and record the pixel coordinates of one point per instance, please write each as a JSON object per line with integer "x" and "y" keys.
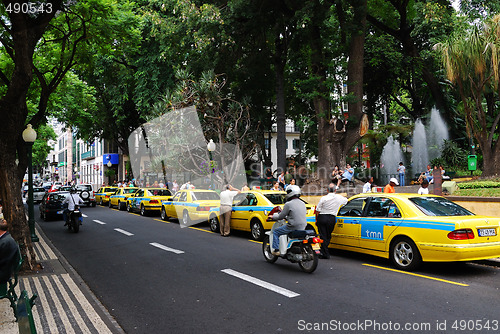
{"x": 88, "y": 155}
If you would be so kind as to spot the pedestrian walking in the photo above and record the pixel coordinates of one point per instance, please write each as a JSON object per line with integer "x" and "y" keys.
{"x": 367, "y": 187}
{"x": 281, "y": 180}
{"x": 226, "y": 206}
{"x": 326, "y": 212}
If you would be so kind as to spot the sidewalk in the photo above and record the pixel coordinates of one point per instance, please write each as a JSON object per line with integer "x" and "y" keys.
{"x": 64, "y": 305}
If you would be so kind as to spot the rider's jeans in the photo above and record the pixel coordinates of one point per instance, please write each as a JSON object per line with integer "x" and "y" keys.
{"x": 280, "y": 231}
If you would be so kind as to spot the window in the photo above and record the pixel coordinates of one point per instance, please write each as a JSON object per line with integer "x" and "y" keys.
{"x": 436, "y": 206}
{"x": 353, "y": 208}
{"x": 382, "y": 207}
{"x": 183, "y": 197}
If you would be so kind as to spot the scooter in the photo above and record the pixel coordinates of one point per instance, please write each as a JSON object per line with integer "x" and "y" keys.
{"x": 299, "y": 246}
{"x": 75, "y": 219}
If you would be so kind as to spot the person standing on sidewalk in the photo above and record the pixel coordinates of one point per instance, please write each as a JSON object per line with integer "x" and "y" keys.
{"x": 8, "y": 252}
{"x": 401, "y": 172}
{"x": 326, "y": 212}
{"x": 226, "y": 206}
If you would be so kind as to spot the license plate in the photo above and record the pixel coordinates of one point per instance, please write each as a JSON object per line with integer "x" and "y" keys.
{"x": 487, "y": 232}
{"x": 315, "y": 246}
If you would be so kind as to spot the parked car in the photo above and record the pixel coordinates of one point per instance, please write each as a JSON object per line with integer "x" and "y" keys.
{"x": 86, "y": 192}
{"x": 251, "y": 211}
{"x": 190, "y": 205}
{"x": 51, "y": 205}
{"x": 119, "y": 198}
{"x": 410, "y": 229}
{"x": 148, "y": 200}
{"x": 102, "y": 195}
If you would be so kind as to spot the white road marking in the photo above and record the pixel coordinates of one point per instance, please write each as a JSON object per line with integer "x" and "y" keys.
{"x": 261, "y": 283}
{"x": 168, "y": 249}
{"x": 123, "y": 231}
{"x": 84, "y": 215}
{"x": 99, "y": 222}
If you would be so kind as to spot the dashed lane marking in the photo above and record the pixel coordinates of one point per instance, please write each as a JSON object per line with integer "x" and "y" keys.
{"x": 99, "y": 222}
{"x": 124, "y": 232}
{"x": 168, "y": 249}
{"x": 261, "y": 283}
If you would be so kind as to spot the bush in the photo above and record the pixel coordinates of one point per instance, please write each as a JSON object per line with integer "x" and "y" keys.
{"x": 479, "y": 185}
{"x": 453, "y": 155}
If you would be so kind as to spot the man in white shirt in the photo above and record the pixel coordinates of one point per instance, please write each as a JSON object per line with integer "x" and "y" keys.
{"x": 72, "y": 200}
{"x": 226, "y": 206}
{"x": 326, "y": 212}
{"x": 367, "y": 187}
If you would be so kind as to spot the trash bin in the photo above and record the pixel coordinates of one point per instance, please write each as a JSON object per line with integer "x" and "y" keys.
{"x": 472, "y": 162}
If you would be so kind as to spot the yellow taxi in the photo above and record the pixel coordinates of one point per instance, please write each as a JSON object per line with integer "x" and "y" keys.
{"x": 192, "y": 205}
{"x": 147, "y": 200}
{"x": 102, "y": 195}
{"x": 410, "y": 229}
{"x": 119, "y": 198}
{"x": 251, "y": 211}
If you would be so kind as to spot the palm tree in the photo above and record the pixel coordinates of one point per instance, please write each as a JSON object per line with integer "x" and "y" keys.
{"x": 471, "y": 62}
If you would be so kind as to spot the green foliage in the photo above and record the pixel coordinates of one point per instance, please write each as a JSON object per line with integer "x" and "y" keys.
{"x": 453, "y": 155}
{"x": 479, "y": 184}
{"x": 41, "y": 147}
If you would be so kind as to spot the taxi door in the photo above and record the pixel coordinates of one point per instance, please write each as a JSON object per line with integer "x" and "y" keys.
{"x": 382, "y": 218}
{"x": 135, "y": 199}
{"x": 242, "y": 210}
{"x": 347, "y": 228}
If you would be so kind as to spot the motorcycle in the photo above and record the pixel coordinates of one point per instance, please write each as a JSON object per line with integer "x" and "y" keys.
{"x": 299, "y": 246}
{"x": 75, "y": 219}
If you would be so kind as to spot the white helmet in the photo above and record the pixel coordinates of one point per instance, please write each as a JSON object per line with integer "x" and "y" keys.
{"x": 291, "y": 191}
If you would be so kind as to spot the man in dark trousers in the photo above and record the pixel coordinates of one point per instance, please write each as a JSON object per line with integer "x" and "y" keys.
{"x": 326, "y": 212}
{"x": 9, "y": 255}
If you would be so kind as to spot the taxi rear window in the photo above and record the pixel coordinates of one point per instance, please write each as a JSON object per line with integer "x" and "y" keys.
{"x": 276, "y": 198}
{"x": 437, "y": 206}
{"x": 205, "y": 196}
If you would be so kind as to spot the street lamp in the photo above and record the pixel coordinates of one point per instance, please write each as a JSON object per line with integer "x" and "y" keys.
{"x": 109, "y": 164}
{"x": 29, "y": 136}
{"x": 211, "y": 148}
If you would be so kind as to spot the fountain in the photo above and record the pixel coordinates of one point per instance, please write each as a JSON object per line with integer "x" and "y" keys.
{"x": 427, "y": 143}
{"x": 389, "y": 160}
{"x": 419, "y": 154}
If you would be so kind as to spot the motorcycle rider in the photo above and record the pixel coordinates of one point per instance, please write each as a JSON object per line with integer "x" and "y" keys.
{"x": 72, "y": 200}
{"x": 294, "y": 211}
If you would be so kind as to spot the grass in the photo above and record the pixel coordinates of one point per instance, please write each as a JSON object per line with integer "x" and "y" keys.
{"x": 486, "y": 192}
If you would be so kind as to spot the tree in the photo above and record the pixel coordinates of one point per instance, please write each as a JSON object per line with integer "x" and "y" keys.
{"x": 42, "y": 46}
{"x": 471, "y": 61}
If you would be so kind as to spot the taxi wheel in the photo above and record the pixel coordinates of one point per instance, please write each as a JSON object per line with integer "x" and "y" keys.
{"x": 214, "y": 224}
{"x": 257, "y": 230}
{"x": 185, "y": 218}
{"x": 129, "y": 208}
{"x": 144, "y": 212}
{"x": 404, "y": 254}
{"x": 266, "y": 250}
{"x": 110, "y": 205}
{"x": 163, "y": 214}
{"x": 101, "y": 203}
{"x": 121, "y": 206}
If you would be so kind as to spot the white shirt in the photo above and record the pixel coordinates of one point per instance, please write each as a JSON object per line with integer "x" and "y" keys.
{"x": 226, "y": 197}
{"x": 72, "y": 202}
{"x": 330, "y": 204}
{"x": 367, "y": 187}
{"x": 423, "y": 191}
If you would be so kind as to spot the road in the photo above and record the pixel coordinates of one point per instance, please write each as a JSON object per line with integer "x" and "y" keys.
{"x": 156, "y": 277}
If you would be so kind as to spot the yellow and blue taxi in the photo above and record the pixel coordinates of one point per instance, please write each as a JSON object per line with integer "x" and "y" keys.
{"x": 251, "y": 211}
{"x": 119, "y": 198}
{"x": 148, "y": 200}
{"x": 409, "y": 229}
{"x": 193, "y": 205}
{"x": 102, "y": 195}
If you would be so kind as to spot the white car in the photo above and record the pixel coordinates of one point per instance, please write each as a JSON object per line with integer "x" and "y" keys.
{"x": 38, "y": 193}
{"x": 86, "y": 192}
